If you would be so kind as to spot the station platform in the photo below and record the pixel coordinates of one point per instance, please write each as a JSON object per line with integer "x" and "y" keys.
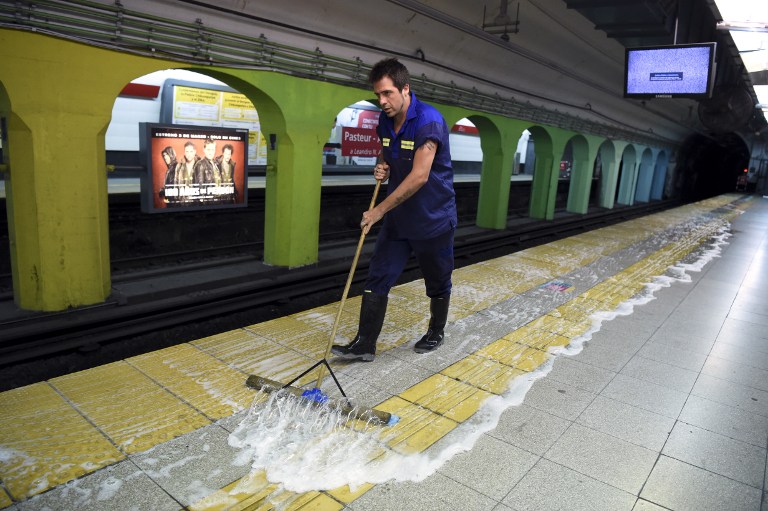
{"x": 625, "y": 368}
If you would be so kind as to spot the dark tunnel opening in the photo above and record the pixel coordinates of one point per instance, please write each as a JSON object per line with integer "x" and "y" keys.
{"x": 710, "y": 166}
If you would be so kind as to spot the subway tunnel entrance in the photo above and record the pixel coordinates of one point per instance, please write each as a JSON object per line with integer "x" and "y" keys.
{"x": 710, "y": 165}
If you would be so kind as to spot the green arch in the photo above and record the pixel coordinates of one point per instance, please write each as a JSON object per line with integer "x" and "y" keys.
{"x": 64, "y": 264}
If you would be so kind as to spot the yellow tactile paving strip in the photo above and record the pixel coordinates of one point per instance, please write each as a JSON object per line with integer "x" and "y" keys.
{"x": 154, "y": 415}
{"x": 5, "y": 499}
{"x": 253, "y": 354}
{"x": 255, "y": 492}
{"x": 180, "y": 389}
{"x": 205, "y": 383}
{"x": 46, "y": 441}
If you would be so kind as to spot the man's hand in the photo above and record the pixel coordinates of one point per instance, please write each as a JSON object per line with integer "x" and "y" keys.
{"x": 369, "y": 218}
{"x": 381, "y": 171}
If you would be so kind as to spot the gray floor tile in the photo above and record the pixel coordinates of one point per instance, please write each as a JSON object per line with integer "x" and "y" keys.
{"x": 679, "y": 358}
{"x": 194, "y": 465}
{"x": 586, "y": 276}
{"x": 658, "y": 309}
{"x": 453, "y": 349}
{"x": 740, "y": 355}
{"x": 750, "y": 303}
{"x": 733, "y": 394}
{"x": 529, "y": 428}
{"x": 479, "y": 330}
{"x": 617, "y": 339}
{"x": 660, "y": 373}
{"x": 559, "y": 399}
{"x": 747, "y": 341}
{"x": 435, "y": 492}
{"x": 743, "y": 328}
{"x": 603, "y": 457}
{"x": 605, "y": 355}
{"x": 645, "y": 395}
{"x": 709, "y": 311}
{"x": 729, "y": 271}
{"x": 754, "y": 290}
{"x": 359, "y": 391}
{"x": 683, "y": 341}
{"x": 725, "y": 420}
{"x": 698, "y": 323}
{"x": 118, "y": 487}
{"x": 736, "y": 372}
{"x": 635, "y": 425}
{"x": 695, "y": 305}
{"x": 749, "y": 317}
{"x": 583, "y": 376}
{"x": 719, "y": 454}
{"x": 553, "y": 487}
{"x": 644, "y": 505}
{"x": 492, "y": 467}
{"x": 386, "y": 372}
{"x": 683, "y": 487}
{"x": 233, "y": 421}
{"x": 718, "y": 288}
{"x": 630, "y": 327}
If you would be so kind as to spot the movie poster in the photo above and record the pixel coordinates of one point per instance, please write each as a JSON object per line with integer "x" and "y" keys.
{"x": 193, "y": 167}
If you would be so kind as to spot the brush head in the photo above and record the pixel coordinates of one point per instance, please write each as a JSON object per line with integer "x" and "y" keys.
{"x": 316, "y": 395}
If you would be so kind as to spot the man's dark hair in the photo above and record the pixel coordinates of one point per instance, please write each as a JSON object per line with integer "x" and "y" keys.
{"x": 393, "y": 69}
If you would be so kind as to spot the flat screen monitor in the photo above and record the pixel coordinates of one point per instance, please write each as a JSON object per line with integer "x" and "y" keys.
{"x": 674, "y": 71}
{"x": 192, "y": 167}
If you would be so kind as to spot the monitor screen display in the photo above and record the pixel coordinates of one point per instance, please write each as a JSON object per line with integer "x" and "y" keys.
{"x": 670, "y": 71}
{"x": 193, "y": 167}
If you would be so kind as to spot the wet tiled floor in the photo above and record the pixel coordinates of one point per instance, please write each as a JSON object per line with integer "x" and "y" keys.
{"x": 573, "y": 388}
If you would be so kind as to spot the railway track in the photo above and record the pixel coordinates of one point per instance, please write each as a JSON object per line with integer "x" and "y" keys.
{"x": 123, "y": 327}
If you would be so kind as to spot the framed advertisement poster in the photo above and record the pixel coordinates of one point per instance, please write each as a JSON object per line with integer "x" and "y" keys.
{"x": 193, "y": 167}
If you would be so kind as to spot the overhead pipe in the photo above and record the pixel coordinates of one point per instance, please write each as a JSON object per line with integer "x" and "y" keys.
{"x": 116, "y": 28}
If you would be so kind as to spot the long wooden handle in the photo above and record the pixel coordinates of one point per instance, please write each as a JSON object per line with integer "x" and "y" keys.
{"x": 321, "y": 369}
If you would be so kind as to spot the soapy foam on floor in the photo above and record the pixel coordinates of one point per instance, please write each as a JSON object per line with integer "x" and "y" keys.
{"x": 303, "y": 447}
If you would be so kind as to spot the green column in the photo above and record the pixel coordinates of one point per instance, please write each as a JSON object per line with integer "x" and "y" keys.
{"x": 57, "y": 111}
{"x": 297, "y": 114}
{"x": 549, "y": 144}
{"x": 581, "y": 173}
{"x": 628, "y": 176}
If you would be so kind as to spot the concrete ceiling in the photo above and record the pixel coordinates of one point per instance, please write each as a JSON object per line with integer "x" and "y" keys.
{"x": 566, "y": 55}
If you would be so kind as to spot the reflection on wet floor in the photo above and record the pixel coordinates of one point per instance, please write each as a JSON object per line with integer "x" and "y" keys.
{"x": 510, "y": 317}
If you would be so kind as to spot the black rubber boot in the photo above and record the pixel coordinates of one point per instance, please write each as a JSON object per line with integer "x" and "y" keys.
{"x": 438, "y": 309}
{"x": 363, "y": 347}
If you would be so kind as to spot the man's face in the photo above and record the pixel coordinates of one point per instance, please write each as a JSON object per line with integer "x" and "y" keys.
{"x": 227, "y": 155}
{"x": 210, "y": 151}
{"x": 392, "y": 101}
{"x": 189, "y": 153}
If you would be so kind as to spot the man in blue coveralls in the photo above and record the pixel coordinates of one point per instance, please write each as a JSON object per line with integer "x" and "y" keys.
{"x": 419, "y": 211}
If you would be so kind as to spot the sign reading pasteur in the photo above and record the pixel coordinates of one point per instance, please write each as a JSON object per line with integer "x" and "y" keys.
{"x": 359, "y": 142}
